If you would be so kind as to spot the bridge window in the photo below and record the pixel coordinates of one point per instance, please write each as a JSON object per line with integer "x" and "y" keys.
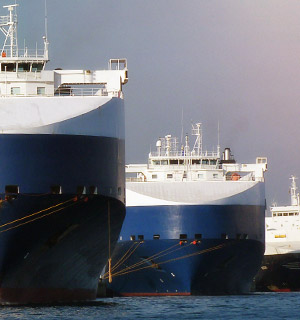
{"x": 9, "y": 67}
{"x": 169, "y": 176}
{"x": 141, "y": 237}
{"x": 23, "y": 67}
{"x": 196, "y": 161}
{"x": 154, "y": 176}
{"x": 156, "y": 236}
{"x": 132, "y": 238}
{"x": 224, "y": 236}
{"x": 173, "y": 161}
{"x": 183, "y": 236}
{"x": 37, "y": 67}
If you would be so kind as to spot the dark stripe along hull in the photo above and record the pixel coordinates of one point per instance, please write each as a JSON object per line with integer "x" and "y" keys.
{"x": 279, "y": 273}
{"x": 211, "y": 266}
{"x": 58, "y": 255}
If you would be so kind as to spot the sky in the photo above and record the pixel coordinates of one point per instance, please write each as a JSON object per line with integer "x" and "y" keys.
{"x": 236, "y": 62}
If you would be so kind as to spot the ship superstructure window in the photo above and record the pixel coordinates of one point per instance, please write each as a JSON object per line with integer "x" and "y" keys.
{"x": 291, "y": 213}
{"x": 285, "y": 213}
{"x": 215, "y": 175}
{"x": 154, "y": 176}
{"x": 132, "y": 238}
{"x": 173, "y": 161}
{"x": 213, "y": 162}
{"x": 156, "y": 236}
{"x": 198, "y": 236}
{"x": 238, "y": 236}
{"x": 156, "y": 162}
{"x": 15, "y": 90}
{"x": 169, "y": 176}
{"x": 274, "y": 214}
{"x": 141, "y": 237}
{"x": 37, "y": 67}
{"x": 224, "y": 236}
{"x": 164, "y": 162}
{"x": 197, "y": 161}
{"x": 9, "y": 67}
{"x": 279, "y": 214}
{"x": 205, "y": 161}
{"x": 200, "y": 175}
{"x": 23, "y": 67}
{"x": 41, "y": 91}
{"x": 183, "y": 236}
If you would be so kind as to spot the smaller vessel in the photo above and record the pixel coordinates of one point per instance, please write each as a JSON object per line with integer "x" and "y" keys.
{"x": 280, "y": 270}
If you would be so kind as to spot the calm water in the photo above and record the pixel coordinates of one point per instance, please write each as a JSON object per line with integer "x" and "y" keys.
{"x": 259, "y": 306}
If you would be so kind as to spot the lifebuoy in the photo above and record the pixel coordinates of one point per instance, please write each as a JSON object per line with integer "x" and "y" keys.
{"x": 235, "y": 176}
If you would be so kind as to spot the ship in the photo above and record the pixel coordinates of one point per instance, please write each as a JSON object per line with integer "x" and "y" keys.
{"x": 62, "y": 177}
{"x": 280, "y": 271}
{"x": 194, "y": 223}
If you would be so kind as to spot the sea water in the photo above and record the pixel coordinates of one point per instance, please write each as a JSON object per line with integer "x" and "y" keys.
{"x": 254, "y": 306}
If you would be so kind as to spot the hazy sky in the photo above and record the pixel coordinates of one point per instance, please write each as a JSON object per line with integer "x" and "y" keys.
{"x": 232, "y": 61}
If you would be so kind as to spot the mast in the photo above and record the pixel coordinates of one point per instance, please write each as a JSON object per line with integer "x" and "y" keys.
{"x": 8, "y": 26}
{"x": 197, "y": 131}
{"x": 294, "y": 195}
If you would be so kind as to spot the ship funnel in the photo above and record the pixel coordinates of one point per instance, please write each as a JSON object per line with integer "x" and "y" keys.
{"x": 227, "y": 154}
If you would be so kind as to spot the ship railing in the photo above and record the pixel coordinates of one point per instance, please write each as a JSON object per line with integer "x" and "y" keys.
{"x": 86, "y": 91}
{"x": 24, "y": 54}
{"x": 183, "y": 155}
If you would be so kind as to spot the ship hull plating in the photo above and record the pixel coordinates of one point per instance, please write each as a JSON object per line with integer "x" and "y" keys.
{"x": 207, "y": 267}
{"x": 279, "y": 273}
{"x": 221, "y": 253}
{"x": 54, "y": 246}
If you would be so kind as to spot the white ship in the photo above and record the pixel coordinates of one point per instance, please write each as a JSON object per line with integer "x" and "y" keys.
{"x": 62, "y": 180}
{"x": 281, "y": 266}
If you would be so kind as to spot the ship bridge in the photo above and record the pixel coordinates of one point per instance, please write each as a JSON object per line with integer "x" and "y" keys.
{"x": 23, "y": 74}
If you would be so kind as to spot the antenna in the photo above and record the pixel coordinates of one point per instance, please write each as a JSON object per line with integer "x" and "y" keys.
{"x": 46, "y": 21}
{"x": 218, "y": 146}
{"x": 181, "y": 126}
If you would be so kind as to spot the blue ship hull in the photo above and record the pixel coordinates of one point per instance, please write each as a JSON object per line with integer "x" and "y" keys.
{"x": 53, "y": 246}
{"x": 199, "y": 249}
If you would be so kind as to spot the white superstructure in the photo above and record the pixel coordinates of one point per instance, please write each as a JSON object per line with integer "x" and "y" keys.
{"x": 283, "y": 227}
{"x": 193, "y": 176}
{"x": 41, "y": 98}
